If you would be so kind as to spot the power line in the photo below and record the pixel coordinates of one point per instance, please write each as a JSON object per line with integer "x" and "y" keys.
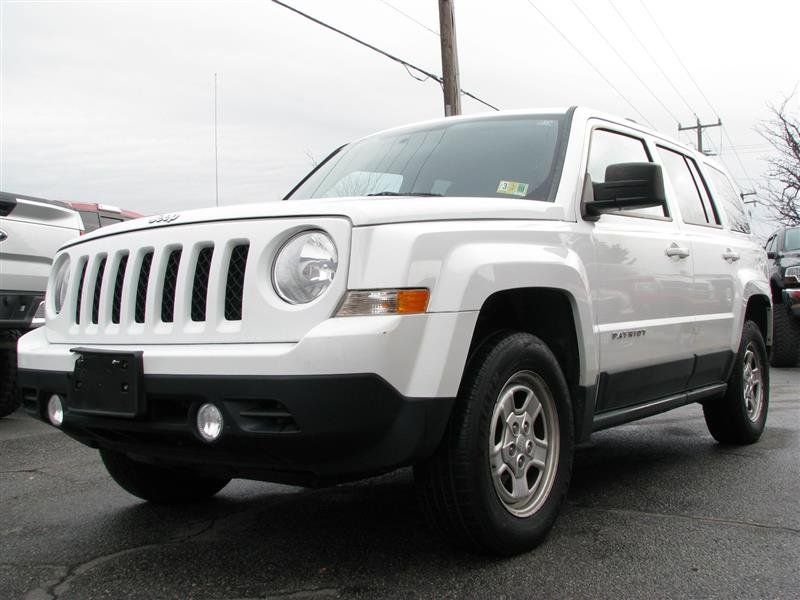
{"x": 652, "y": 58}
{"x": 675, "y": 53}
{"x": 590, "y": 63}
{"x": 735, "y": 153}
{"x": 625, "y": 62}
{"x": 405, "y": 63}
{"x": 699, "y": 89}
{"x": 410, "y": 18}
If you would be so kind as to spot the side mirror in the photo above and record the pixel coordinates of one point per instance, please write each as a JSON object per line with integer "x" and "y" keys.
{"x": 772, "y": 255}
{"x": 628, "y": 186}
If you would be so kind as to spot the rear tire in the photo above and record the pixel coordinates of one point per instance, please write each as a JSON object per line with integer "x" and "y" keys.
{"x": 9, "y": 394}
{"x": 740, "y": 417}
{"x": 499, "y": 477}
{"x": 161, "y": 485}
{"x": 785, "y": 338}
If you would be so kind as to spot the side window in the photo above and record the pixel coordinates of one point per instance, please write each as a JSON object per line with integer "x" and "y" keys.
{"x": 686, "y": 189}
{"x": 728, "y": 198}
{"x": 91, "y": 220}
{"x": 708, "y": 204}
{"x": 109, "y": 221}
{"x": 609, "y": 148}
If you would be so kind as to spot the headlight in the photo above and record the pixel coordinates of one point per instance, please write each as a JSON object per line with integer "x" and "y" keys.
{"x": 305, "y": 267}
{"x": 60, "y": 283}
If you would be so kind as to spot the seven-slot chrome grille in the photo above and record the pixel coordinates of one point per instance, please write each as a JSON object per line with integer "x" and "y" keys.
{"x": 114, "y": 287}
{"x": 194, "y": 283}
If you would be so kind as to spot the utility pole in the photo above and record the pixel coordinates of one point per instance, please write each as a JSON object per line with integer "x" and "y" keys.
{"x": 451, "y": 86}
{"x": 699, "y": 127}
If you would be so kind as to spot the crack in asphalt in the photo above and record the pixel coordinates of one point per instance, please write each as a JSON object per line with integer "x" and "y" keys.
{"x": 52, "y": 590}
{"x": 41, "y": 471}
{"x": 734, "y": 522}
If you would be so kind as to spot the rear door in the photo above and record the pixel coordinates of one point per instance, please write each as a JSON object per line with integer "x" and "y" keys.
{"x": 714, "y": 258}
{"x": 641, "y": 279}
{"x": 744, "y": 257}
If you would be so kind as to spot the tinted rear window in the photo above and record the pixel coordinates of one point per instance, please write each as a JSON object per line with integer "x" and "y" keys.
{"x": 91, "y": 220}
{"x": 730, "y": 200}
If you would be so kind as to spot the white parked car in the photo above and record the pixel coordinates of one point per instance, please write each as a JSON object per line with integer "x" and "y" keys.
{"x": 472, "y": 296}
{"x": 31, "y": 231}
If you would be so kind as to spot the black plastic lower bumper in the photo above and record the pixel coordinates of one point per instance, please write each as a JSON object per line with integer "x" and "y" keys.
{"x": 17, "y": 309}
{"x": 311, "y": 430}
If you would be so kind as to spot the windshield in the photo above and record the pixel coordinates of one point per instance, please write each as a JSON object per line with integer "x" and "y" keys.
{"x": 501, "y": 157}
{"x": 791, "y": 240}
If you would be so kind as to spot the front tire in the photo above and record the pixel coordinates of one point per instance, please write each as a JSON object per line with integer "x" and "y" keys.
{"x": 785, "y": 338}
{"x": 740, "y": 417}
{"x": 9, "y": 394}
{"x": 160, "y": 485}
{"x": 499, "y": 477}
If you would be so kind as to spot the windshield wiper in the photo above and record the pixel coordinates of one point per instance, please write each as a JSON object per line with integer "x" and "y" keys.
{"x": 406, "y": 194}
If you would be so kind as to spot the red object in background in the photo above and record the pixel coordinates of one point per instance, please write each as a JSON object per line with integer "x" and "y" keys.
{"x": 95, "y": 216}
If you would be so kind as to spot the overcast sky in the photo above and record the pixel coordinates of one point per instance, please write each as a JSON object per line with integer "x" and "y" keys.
{"x": 113, "y": 101}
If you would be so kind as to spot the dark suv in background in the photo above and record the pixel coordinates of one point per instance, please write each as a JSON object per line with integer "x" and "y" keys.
{"x": 783, "y": 249}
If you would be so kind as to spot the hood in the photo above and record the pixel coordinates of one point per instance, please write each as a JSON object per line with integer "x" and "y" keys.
{"x": 360, "y": 211}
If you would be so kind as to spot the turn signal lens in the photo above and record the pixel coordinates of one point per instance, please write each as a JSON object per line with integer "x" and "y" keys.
{"x": 384, "y": 302}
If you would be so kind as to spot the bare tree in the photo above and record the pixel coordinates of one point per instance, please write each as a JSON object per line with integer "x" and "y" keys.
{"x": 781, "y": 194}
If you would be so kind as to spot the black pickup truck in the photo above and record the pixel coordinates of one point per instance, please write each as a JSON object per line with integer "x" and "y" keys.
{"x": 783, "y": 249}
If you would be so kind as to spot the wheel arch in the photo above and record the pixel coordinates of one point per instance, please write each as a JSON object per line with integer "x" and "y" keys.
{"x": 759, "y": 310}
{"x": 551, "y": 314}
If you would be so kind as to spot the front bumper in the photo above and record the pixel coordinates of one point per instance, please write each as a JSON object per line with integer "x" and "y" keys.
{"x": 355, "y": 396}
{"x": 310, "y": 430}
{"x": 20, "y": 310}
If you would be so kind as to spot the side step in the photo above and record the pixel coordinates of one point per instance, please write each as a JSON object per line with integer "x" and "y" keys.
{"x": 640, "y": 411}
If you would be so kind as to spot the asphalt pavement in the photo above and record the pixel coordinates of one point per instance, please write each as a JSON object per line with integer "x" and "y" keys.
{"x": 657, "y": 509}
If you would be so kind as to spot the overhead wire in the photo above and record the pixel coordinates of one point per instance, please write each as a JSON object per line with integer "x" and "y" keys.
{"x": 699, "y": 89}
{"x": 677, "y": 56}
{"x": 625, "y": 62}
{"x": 404, "y": 63}
{"x": 652, "y": 58}
{"x": 410, "y": 18}
{"x": 589, "y": 62}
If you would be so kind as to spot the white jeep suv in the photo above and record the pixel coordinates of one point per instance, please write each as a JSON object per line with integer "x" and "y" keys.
{"x": 471, "y": 296}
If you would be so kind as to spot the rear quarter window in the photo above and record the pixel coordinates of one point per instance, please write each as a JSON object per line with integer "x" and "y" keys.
{"x": 728, "y": 198}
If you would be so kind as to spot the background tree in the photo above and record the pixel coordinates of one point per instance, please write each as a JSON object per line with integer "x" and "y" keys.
{"x": 781, "y": 194}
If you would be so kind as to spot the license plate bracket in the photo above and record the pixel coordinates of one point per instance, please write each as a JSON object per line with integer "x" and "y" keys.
{"x": 107, "y": 383}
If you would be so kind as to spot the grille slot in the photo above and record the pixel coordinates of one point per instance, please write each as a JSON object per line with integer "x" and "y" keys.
{"x": 170, "y": 284}
{"x": 98, "y": 285}
{"x": 200, "y": 287}
{"x": 115, "y": 307}
{"x": 234, "y": 287}
{"x": 80, "y": 291}
{"x": 141, "y": 286}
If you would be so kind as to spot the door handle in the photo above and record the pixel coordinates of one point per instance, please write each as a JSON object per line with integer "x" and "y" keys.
{"x": 675, "y": 250}
{"x": 730, "y": 255}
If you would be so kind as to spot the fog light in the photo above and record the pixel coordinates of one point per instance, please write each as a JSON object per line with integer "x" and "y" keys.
{"x": 55, "y": 410}
{"x": 209, "y": 422}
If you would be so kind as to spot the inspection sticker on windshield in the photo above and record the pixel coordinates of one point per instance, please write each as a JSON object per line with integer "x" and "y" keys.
{"x": 514, "y": 188}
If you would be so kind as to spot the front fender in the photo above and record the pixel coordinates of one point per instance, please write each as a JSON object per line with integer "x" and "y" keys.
{"x": 464, "y": 263}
